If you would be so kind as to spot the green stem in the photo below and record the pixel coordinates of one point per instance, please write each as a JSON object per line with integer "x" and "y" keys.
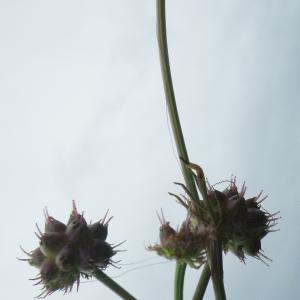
{"x": 176, "y": 127}
{"x": 216, "y": 268}
{"x": 202, "y": 284}
{"x": 179, "y": 280}
{"x": 106, "y": 280}
{"x": 170, "y": 99}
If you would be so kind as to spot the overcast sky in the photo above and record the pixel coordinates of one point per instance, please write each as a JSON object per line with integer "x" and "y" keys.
{"x": 83, "y": 117}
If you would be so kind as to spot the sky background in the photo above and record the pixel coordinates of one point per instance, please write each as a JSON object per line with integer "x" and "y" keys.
{"x": 83, "y": 116}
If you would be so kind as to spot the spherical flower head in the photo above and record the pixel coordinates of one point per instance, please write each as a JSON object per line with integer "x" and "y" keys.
{"x": 187, "y": 244}
{"x": 243, "y": 222}
{"x": 69, "y": 251}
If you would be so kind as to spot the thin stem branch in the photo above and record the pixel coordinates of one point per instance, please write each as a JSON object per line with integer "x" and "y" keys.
{"x": 106, "y": 280}
{"x": 202, "y": 284}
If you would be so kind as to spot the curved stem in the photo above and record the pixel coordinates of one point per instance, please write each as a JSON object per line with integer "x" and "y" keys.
{"x": 202, "y": 284}
{"x": 106, "y": 280}
{"x": 176, "y": 127}
{"x": 170, "y": 99}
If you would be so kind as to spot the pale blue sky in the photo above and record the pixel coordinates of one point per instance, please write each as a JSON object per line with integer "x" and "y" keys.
{"x": 82, "y": 116}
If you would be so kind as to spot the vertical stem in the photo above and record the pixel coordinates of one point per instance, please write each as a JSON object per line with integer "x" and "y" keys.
{"x": 179, "y": 280}
{"x": 202, "y": 284}
{"x": 170, "y": 97}
{"x": 106, "y": 280}
{"x": 216, "y": 268}
{"x": 215, "y": 249}
{"x": 176, "y": 127}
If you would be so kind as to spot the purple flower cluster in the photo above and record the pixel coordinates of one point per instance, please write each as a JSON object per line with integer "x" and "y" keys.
{"x": 69, "y": 251}
{"x": 243, "y": 222}
{"x": 239, "y": 223}
{"x": 186, "y": 244}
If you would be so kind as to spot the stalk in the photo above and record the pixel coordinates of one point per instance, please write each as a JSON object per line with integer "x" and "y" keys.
{"x": 115, "y": 287}
{"x": 216, "y": 268}
{"x": 176, "y": 128}
{"x": 170, "y": 99}
{"x": 202, "y": 284}
{"x": 215, "y": 249}
{"x": 179, "y": 280}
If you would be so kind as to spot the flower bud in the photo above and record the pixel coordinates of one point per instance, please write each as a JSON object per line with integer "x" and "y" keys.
{"x": 51, "y": 243}
{"x": 166, "y": 232}
{"x": 52, "y": 225}
{"x": 48, "y": 270}
{"x": 67, "y": 258}
{"x": 236, "y": 209}
{"x": 252, "y": 203}
{"x": 99, "y": 229}
{"x": 256, "y": 218}
{"x": 36, "y": 257}
{"x": 102, "y": 252}
{"x": 77, "y": 231}
{"x": 252, "y": 246}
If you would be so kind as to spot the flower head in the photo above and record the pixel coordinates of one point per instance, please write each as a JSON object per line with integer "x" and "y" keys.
{"x": 69, "y": 251}
{"x": 239, "y": 223}
{"x": 244, "y": 223}
{"x": 187, "y": 244}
